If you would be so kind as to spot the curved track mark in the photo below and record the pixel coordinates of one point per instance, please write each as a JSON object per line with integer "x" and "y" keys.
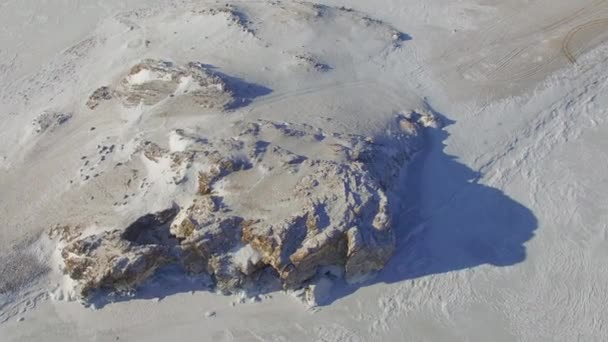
{"x": 566, "y": 42}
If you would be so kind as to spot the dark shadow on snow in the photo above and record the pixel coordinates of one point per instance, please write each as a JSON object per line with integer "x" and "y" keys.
{"x": 164, "y": 283}
{"x": 465, "y": 224}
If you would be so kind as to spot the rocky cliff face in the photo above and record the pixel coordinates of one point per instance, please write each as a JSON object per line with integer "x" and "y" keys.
{"x": 119, "y": 259}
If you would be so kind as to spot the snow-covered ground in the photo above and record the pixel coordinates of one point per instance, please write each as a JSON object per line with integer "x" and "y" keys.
{"x": 503, "y": 232}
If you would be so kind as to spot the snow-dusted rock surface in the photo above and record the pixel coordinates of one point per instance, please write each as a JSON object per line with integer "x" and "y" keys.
{"x": 49, "y": 121}
{"x": 287, "y": 197}
{"x": 152, "y": 81}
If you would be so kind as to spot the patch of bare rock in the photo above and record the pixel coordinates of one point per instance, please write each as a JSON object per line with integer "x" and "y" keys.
{"x": 152, "y": 81}
{"x": 49, "y": 121}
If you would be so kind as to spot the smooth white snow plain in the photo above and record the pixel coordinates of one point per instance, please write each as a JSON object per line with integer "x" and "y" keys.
{"x": 503, "y": 233}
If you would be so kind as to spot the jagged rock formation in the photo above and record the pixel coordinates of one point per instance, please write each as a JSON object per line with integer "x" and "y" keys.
{"x": 152, "y": 81}
{"x": 275, "y": 197}
{"x": 119, "y": 259}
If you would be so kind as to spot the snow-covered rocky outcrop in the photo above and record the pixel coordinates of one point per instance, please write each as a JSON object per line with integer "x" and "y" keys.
{"x": 225, "y": 147}
{"x": 279, "y": 197}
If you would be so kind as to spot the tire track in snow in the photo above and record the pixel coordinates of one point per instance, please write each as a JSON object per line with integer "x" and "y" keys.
{"x": 566, "y": 49}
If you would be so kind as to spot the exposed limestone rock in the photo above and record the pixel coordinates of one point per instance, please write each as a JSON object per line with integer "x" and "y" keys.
{"x": 216, "y": 171}
{"x": 100, "y": 94}
{"x": 106, "y": 261}
{"x": 333, "y": 209}
{"x": 152, "y": 151}
{"x": 152, "y": 81}
{"x": 366, "y": 253}
{"x": 65, "y": 232}
{"x": 339, "y": 196}
{"x": 118, "y": 260}
{"x": 207, "y": 235}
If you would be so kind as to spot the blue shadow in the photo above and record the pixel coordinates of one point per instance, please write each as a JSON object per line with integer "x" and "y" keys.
{"x": 244, "y": 92}
{"x": 464, "y": 224}
{"x": 447, "y": 222}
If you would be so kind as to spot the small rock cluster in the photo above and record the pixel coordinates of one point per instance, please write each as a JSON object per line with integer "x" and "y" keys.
{"x": 233, "y": 14}
{"x": 50, "y": 120}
